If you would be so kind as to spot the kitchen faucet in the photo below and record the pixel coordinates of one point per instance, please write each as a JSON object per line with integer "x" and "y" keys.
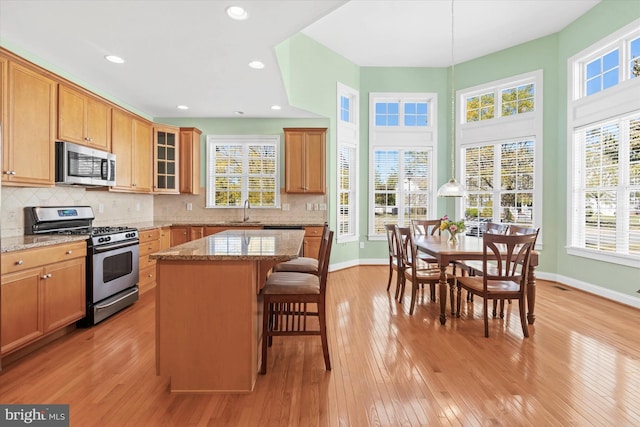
{"x": 247, "y": 206}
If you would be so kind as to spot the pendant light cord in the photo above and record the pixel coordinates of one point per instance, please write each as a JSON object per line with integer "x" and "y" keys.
{"x": 453, "y": 103}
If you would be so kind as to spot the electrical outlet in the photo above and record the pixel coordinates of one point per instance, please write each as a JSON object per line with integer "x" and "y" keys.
{"x": 361, "y": 245}
{"x": 138, "y": 207}
{"x": 323, "y": 206}
{"x": 309, "y": 206}
{"x": 189, "y": 206}
{"x": 315, "y": 207}
{"x": 285, "y": 206}
{"x": 100, "y": 207}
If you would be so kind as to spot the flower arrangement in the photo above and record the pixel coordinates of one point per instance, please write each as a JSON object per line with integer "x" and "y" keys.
{"x": 453, "y": 227}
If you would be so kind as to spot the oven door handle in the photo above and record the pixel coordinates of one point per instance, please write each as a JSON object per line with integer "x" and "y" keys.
{"x": 106, "y": 248}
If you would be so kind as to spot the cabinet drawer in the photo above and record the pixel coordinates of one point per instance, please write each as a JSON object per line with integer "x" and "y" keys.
{"x": 313, "y": 231}
{"x": 147, "y": 275}
{"x": 29, "y": 258}
{"x": 149, "y": 247}
{"x": 149, "y": 235}
{"x": 145, "y": 262}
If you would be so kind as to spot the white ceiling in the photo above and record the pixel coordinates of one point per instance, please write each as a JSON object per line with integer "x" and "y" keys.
{"x": 189, "y": 52}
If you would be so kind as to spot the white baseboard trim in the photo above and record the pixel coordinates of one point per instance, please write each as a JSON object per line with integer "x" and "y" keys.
{"x": 600, "y": 291}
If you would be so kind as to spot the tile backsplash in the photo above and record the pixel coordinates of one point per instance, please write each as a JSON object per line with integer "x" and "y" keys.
{"x": 189, "y": 208}
{"x": 111, "y": 208}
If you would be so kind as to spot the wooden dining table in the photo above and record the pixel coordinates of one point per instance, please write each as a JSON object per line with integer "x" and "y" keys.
{"x": 468, "y": 248}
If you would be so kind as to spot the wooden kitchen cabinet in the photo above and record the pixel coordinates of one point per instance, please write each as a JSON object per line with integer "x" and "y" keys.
{"x": 83, "y": 119}
{"x": 165, "y": 159}
{"x": 165, "y": 238}
{"x": 29, "y": 127}
{"x": 304, "y": 150}
{"x": 131, "y": 142}
{"x": 3, "y": 96}
{"x": 311, "y": 242}
{"x": 196, "y": 232}
{"x": 190, "y": 160}
{"x": 179, "y": 234}
{"x": 43, "y": 290}
{"x": 149, "y": 243}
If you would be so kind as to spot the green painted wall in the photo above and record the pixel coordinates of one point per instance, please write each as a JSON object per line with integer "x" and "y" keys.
{"x": 604, "y": 19}
{"x": 310, "y": 73}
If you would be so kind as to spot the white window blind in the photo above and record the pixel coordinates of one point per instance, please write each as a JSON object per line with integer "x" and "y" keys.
{"x": 499, "y": 178}
{"x": 403, "y": 186}
{"x": 346, "y": 189}
{"x": 607, "y": 191}
{"x": 347, "y": 135}
{"x": 242, "y": 168}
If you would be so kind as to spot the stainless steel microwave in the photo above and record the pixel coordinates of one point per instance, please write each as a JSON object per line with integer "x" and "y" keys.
{"x": 80, "y": 165}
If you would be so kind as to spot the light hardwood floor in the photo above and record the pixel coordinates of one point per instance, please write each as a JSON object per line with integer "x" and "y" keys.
{"x": 580, "y": 367}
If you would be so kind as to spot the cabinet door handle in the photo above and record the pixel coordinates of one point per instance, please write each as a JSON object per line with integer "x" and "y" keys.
{"x": 46, "y": 276}
{"x": 69, "y": 252}
{"x": 19, "y": 262}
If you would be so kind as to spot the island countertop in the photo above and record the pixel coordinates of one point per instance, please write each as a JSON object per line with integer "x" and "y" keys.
{"x": 240, "y": 245}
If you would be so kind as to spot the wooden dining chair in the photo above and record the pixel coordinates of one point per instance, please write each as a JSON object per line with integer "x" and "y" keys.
{"x": 291, "y": 298}
{"x": 426, "y": 227}
{"x": 417, "y": 273}
{"x": 472, "y": 267}
{"x": 303, "y": 264}
{"x": 507, "y": 278}
{"x": 395, "y": 263}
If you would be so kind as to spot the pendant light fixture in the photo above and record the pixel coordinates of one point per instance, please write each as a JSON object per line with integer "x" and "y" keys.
{"x": 452, "y": 188}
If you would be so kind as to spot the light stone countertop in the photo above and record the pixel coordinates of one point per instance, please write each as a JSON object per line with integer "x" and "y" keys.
{"x": 238, "y": 245}
{"x": 17, "y": 243}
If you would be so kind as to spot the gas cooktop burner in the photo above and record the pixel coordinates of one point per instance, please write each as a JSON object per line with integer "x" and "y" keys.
{"x": 97, "y": 231}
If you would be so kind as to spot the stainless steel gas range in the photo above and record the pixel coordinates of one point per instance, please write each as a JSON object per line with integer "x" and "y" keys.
{"x": 112, "y": 256}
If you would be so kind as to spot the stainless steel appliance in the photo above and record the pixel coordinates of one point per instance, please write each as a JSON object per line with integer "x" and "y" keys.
{"x": 80, "y": 165}
{"x": 112, "y": 256}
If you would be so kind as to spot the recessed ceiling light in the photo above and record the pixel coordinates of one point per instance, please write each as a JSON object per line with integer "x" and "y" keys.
{"x": 182, "y": 107}
{"x": 115, "y": 59}
{"x": 238, "y": 113}
{"x": 237, "y": 13}
{"x": 257, "y": 65}
{"x": 276, "y": 107}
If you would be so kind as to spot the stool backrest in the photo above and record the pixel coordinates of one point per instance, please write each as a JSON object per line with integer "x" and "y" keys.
{"x": 323, "y": 262}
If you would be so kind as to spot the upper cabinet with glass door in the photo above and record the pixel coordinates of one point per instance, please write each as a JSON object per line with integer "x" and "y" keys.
{"x": 165, "y": 157}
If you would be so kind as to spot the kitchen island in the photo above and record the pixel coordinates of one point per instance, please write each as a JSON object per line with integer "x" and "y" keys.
{"x": 208, "y": 307}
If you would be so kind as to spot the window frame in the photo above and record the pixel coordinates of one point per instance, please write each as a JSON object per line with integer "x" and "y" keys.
{"x": 403, "y": 138}
{"x": 613, "y": 104}
{"x": 512, "y": 129}
{"x": 244, "y": 141}
{"x": 348, "y": 136}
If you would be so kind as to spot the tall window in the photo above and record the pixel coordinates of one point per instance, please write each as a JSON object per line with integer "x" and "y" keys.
{"x": 347, "y": 135}
{"x": 402, "y": 148}
{"x": 604, "y": 209}
{"x": 501, "y": 175}
{"x": 242, "y": 168}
